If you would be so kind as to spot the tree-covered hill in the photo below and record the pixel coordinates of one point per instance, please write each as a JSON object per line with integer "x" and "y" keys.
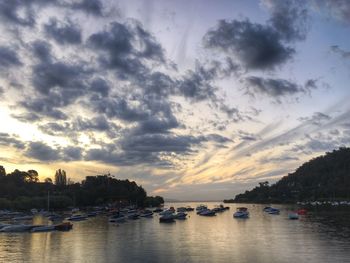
{"x": 22, "y": 190}
{"x": 324, "y": 177}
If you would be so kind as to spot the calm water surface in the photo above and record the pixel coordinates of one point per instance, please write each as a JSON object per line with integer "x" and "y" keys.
{"x": 317, "y": 237}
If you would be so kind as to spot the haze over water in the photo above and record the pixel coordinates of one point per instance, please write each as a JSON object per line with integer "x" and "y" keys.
{"x": 317, "y": 237}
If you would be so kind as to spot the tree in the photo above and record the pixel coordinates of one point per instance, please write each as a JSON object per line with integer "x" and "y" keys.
{"x": 2, "y": 171}
{"x": 60, "y": 178}
{"x": 33, "y": 176}
{"x": 48, "y": 180}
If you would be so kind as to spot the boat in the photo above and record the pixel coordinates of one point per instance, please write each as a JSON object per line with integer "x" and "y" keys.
{"x": 66, "y": 226}
{"x": 189, "y": 209}
{"x": 181, "y": 209}
{"x": 158, "y": 210}
{"x": 92, "y": 214}
{"x": 293, "y": 216}
{"x": 302, "y": 212}
{"x": 166, "y": 219}
{"x": 147, "y": 213}
{"x": 274, "y": 211}
{"x": 271, "y": 210}
{"x": 132, "y": 214}
{"x": 22, "y": 218}
{"x": 207, "y": 212}
{"x": 4, "y": 225}
{"x": 241, "y": 212}
{"x": 180, "y": 215}
{"x": 219, "y": 208}
{"x": 77, "y": 218}
{"x": 166, "y": 212}
{"x": 16, "y": 228}
{"x": 118, "y": 218}
{"x": 201, "y": 207}
{"x": 43, "y": 229}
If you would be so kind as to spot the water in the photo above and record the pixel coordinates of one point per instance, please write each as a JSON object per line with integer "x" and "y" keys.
{"x": 318, "y": 237}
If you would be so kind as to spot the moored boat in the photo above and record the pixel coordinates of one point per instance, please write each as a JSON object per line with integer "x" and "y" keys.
{"x": 147, "y": 213}
{"x": 43, "y": 229}
{"x": 207, "y": 212}
{"x": 180, "y": 215}
{"x": 118, "y": 218}
{"x": 16, "y": 228}
{"x": 293, "y": 216}
{"x": 77, "y": 218}
{"x": 242, "y": 212}
{"x": 169, "y": 218}
{"x": 271, "y": 210}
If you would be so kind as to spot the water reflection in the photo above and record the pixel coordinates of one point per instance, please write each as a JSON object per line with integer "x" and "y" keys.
{"x": 317, "y": 237}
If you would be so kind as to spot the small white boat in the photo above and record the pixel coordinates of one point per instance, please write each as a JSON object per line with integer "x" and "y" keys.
{"x": 293, "y": 216}
{"x": 43, "y": 229}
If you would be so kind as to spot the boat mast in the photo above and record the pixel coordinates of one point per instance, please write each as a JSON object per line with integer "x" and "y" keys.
{"x": 48, "y": 201}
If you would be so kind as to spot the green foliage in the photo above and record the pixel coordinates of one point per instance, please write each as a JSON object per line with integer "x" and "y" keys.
{"x": 21, "y": 190}
{"x": 324, "y": 177}
{"x": 154, "y": 201}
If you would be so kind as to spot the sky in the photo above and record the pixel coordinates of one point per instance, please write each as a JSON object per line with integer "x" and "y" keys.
{"x": 194, "y": 100}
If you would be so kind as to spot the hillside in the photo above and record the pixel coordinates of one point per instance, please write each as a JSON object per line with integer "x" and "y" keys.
{"x": 324, "y": 177}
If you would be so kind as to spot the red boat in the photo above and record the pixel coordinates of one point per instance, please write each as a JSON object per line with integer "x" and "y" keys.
{"x": 302, "y": 212}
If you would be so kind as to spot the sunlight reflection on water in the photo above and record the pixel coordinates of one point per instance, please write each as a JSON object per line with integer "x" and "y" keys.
{"x": 261, "y": 238}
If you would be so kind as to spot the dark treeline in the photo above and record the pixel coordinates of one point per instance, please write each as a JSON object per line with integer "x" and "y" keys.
{"x": 323, "y": 178}
{"x": 22, "y": 190}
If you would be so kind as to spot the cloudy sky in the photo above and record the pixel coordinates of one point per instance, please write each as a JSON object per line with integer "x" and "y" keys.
{"x": 194, "y": 100}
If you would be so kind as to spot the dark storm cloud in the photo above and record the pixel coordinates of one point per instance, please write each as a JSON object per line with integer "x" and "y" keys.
{"x": 197, "y": 85}
{"x": 42, "y": 50}
{"x": 72, "y": 153}
{"x": 47, "y": 76}
{"x": 44, "y": 106}
{"x": 124, "y": 47}
{"x": 339, "y": 9}
{"x": 256, "y": 46}
{"x": 289, "y": 18}
{"x": 21, "y": 12}
{"x": 153, "y": 149}
{"x": 121, "y": 108}
{"x": 9, "y": 13}
{"x": 63, "y": 32}
{"x": 271, "y": 87}
{"x": 8, "y": 58}
{"x": 11, "y": 140}
{"x": 94, "y": 7}
{"x": 100, "y": 86}
{"x": 343, "y": 53}
{"x": 54, "y": 128}
{"x": 42, "y": 152}
{"x": 156, "y": 125}
{"x": 277, "y": 88}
